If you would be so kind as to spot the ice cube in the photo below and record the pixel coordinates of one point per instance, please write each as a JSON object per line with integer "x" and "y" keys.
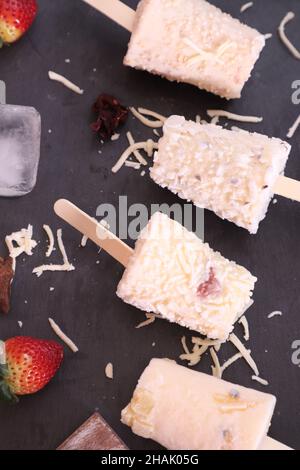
{"x": 20, "y": 137}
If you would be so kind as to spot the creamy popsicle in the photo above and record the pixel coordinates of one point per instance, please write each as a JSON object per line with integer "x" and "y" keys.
{"x": 232, "y": 173}
{"x": 186, "y": 410}
{"x": 174, "y": 274}
{"x": 194, "y": 42}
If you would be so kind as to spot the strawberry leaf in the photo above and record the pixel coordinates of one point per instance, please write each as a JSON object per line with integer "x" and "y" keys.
{"x": 6, "y": 394}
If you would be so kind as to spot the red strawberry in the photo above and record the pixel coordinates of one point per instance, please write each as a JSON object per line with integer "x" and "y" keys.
{"x": 30, "y": 365}
{"x": 16, "y": 17}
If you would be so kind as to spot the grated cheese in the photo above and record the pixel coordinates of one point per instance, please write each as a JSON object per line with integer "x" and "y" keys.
{"x": 234, "y": 117}
{"x": 144, "y": 120}
{"x": 281, "y": 30}
{"x": 64, "y": 81}
{"x": 260, "y": 380}
{"x": 125, "y": 155}
{"x": 150, "y": 319}
{"x": 244, "y": 322}
{"x": 216, "y": 369}
{"x": 63, "y": 336}
{"x": 275, "y": 314}
{"x": 109, "y": 371}
{"x": 245, "y": 353}
{"x": 294, "y": 128}
{"x": 50, "y": 235}
{"x": 66, "y": 266}
{"x": 136, "y": 153}
{"x": 246, "y": 6}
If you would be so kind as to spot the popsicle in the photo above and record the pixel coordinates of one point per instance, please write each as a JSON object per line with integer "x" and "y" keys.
{"x": 189, "y": 41}
{"x": 174, "y": 274}
{"x": 182, "y": 409}
{"x": 20, "y": 135}
{"x": 232, "y": 173}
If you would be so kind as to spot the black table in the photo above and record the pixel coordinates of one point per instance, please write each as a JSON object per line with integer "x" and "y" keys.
{"x": 84, "y": 302}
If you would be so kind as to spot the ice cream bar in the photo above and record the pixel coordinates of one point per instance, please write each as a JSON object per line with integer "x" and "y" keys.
{"x": 94, "y": 434}
{"x": 194, "y": 42}
{"x": 232, "y": 173}
{"x": 186, "y": 410}
{"x": 174, "y": 274}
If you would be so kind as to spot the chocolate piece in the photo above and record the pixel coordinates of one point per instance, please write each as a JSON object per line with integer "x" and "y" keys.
{"x": 6, "y": 277}
{"x": 94, "y": 434}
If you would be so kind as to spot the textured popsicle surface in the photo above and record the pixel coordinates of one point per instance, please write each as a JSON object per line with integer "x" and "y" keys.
{"x": 194, "y": 42}
{"x": 94, "y": 434}
{"x": 229, "y": 172}
{"x": 187, "y": 410}
{"x": 174, "y": 274}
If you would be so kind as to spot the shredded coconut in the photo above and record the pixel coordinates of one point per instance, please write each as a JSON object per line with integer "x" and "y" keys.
{"x": 246, "y": 6}
{"x": 245, "y": 353}
{"x": 134, "y": 165}
{"x": 150, "y": 319}
{"x": 144, "y": 120}
{"x": 184, "y": 345}
{"x": 136, "y": 153}
{"x": 19, "y": 243}
{"x": 234, "y": 117}
{"x": 20, "y": 323}
{"x": 277, "y": 313}
{"x": 260, "y": 380}
{"x": 216, "y": 369}
{"x": 66, "y": 266}
{"x": 84, "y": 241}
{"x": 115, "y": 137}
{"x": 268, "y": 36}
{"x": 109, "y": 371}
{"x": 294, "y": 128}
{"x": 125, "y": 155}
{"x": 59, "y": 78}
{"x": 63, "y": 336}
{"x": 148, "y": 112}
{"x": 50, "y": 236}
{"x": 288, "y": 17}
{"x": 244, "y": 322}
{"x": 231, "y": 361}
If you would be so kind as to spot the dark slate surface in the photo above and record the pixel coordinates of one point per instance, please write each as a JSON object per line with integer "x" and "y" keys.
{"x": 84, "y": 302}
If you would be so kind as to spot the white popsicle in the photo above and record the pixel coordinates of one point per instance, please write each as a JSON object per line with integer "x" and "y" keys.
{"x": 173, "y": 273}
{"x": 233, "y": 173}
{"x": 182, "y": 409}
{"x": 188, "y": 41}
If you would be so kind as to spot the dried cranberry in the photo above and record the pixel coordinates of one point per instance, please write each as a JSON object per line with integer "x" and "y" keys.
{"x": 209, "y": 287}
{"x": 110, "y": 114}
{"x": 6, "y": 277}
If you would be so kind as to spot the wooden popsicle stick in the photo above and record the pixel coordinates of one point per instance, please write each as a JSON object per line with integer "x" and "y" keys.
{"x": 93, "y": 230}
{"x": 271, "y": 444}
{"x": 287, "y": 187}
{"x": 116, "y": 11}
